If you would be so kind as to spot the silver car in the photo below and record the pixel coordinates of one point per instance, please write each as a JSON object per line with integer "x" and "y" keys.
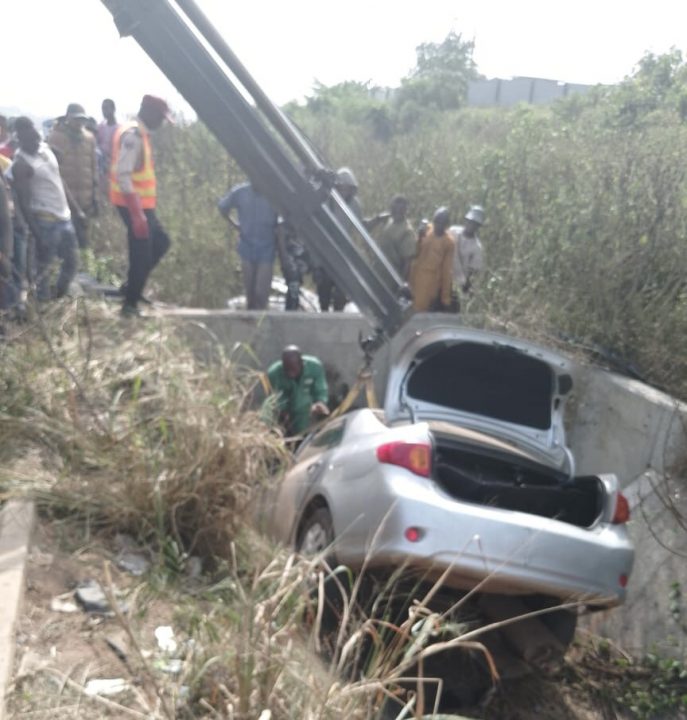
{"x": 465, "y": 476}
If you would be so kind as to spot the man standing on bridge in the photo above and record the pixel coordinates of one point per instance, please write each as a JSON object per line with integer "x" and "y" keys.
{"x": 256, "y": 222}
{"x": 133, "y": 191}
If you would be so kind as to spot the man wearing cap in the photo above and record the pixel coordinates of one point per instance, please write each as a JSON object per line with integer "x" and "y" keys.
{"x": 328, "y": 293}
{"x": 300, "y": 387}
{"x": 44, "y": 202}
{"x": 468, "y": 260}
{"x": 75, "y": 149}
{"x": 133, "y": 190}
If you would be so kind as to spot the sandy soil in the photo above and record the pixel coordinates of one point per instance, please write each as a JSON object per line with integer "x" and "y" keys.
{"x": 58, "y": 652}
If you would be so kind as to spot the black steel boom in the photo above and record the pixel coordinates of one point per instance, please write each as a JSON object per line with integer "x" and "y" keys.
{"x": 277, "y": 159}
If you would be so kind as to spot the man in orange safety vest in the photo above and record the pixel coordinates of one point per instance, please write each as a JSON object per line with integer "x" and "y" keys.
{"x": 133, "y": 191}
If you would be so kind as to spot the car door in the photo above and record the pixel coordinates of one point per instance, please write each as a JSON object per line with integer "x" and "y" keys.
{"x": 300, "y": 482}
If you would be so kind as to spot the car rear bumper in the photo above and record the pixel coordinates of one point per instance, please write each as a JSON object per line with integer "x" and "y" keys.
{"x": 508, "y": 551}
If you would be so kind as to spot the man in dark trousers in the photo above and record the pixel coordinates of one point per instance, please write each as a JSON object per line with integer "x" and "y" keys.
{"x": 133, "y": 191}
{"x": 256, "y": 222}
{"x": 6, "y": 248}
{"x": 47, "y": 206}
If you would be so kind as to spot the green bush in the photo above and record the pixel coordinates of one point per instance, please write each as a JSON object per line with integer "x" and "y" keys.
{"x": 586, "y": 205}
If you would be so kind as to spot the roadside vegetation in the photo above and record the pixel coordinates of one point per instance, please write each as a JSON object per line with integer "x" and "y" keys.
{"x": 124, "y": 431}
{"x": 585, "y": 200}
{"x": 117, "y": 430}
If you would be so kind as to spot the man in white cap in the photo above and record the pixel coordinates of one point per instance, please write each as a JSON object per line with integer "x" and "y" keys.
{"x": 468, "y": 259}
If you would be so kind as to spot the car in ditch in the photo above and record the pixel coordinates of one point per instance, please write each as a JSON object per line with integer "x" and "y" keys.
{"x": 465, "y": 478}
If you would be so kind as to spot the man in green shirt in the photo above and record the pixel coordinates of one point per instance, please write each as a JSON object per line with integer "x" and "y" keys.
{"x": 397, "y": 238}
{"x": 300, "y": 386}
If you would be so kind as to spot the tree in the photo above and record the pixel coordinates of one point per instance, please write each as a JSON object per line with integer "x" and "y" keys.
{"x": 440, "y": 78}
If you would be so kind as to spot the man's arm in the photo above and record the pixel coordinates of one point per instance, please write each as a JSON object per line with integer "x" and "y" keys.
{"x": 320, "y": 392}
{"x": 6, "y": 238}
{"x": 372, "y": 223}
{"x": 276, "y": 378}
{"x": 447, "y": 271}
{"x": 320, "y": 387}
{"x": 130, "y": 157}
{"x": 21, "y": 181}
{"x": 475, "y": 265}
{"x": 408, "y": 251}
{"x": 71, "y": 200}
{"x": 226, "y": 205}
{"x": 94, "y": 174}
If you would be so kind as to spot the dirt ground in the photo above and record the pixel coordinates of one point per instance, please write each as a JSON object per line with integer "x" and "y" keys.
{"x": 58, "y": 652}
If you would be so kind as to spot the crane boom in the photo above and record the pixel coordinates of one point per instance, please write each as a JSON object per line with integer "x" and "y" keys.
{"x": 272, "y": 152}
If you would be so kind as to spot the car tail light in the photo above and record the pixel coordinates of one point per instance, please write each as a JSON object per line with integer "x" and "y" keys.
{"x": 622, "y": 510}
{"x": 413, "y": 534}
{"x": 416, "y": 457}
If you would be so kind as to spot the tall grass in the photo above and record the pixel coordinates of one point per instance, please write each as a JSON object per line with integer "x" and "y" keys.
{"x": 114, "y": 427}
{"x": 139, "y": 435}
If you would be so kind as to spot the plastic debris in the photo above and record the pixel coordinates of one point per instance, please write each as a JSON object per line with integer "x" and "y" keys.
{"x": 60, "y": 604}
{"x": 164, "y": 634}
{"x": 173, "y": 666}
{"x": 106, "y": 686}
{"x": 92, "y": 599}
{"x": 132, "y": 562}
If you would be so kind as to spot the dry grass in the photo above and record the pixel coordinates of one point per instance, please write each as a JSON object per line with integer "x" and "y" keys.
{"x": 137, "y": 434}
{"x": 116, "y": 427}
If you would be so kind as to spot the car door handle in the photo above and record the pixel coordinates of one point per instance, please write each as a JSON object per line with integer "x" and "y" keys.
{"x": 313, "y": 467}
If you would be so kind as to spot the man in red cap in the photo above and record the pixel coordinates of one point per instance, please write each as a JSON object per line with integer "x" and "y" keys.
{"x": 133, "y": 190}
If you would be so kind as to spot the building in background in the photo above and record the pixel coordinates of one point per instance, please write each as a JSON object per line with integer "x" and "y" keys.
{"x": 506, "y": 93}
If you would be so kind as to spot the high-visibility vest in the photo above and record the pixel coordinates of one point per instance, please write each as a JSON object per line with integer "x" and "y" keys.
{"x": 143, "y": 179}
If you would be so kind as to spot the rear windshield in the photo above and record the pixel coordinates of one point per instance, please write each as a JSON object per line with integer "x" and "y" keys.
{"x": 496, "y": 382}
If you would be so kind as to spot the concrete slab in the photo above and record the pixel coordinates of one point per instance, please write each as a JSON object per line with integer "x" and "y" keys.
{"x": 16, "y": 524}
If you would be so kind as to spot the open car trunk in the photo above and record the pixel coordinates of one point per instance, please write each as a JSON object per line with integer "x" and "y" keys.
{"x": 507, "y": 388}
{"x": 495, "y": 479}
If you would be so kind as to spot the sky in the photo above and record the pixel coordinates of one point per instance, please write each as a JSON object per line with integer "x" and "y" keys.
{"x": 61, "y": 51}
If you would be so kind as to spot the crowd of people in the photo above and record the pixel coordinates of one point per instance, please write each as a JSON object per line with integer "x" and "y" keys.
{"x": 439, "y": 261}
{"x": 52, "y": 187}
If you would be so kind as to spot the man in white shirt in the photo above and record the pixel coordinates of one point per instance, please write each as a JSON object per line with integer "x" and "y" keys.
{"x": 46, "y": 205}
{"x": 468, "y": 259}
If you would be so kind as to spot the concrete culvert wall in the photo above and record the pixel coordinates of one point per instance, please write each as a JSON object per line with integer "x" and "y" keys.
{"x": 615, "y": 425}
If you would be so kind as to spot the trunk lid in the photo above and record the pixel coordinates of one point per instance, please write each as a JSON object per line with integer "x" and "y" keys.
{"x": 505, "y": 387}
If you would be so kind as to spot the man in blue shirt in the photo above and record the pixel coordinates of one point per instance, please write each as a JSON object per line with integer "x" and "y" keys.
{"x": 256, "y": 222}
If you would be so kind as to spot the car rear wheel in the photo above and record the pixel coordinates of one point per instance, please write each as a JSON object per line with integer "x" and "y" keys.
{"x": 316, "y": 533}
